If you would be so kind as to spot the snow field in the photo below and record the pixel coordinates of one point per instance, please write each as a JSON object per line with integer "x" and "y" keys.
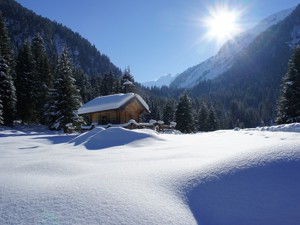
{"x": 117, "y": 176}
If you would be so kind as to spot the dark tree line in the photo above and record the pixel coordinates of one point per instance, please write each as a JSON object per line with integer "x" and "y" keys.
{"x": 36, "y": 89}
{"x": 190, "y": 114}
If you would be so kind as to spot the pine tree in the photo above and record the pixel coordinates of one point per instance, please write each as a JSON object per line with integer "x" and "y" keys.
{"x": 169, "y": 112}
{"x": 203, "y": 117}
{"x": 212, "y": 120}
{"x": 65, "y": 98}
{"x": 127, "y": 82}
{"x": 117, "y": 86}
{"x": 184, "y": 115}
{"x": 1, "y": 111}
{"x": 289, "y": 100}
{"x": 42, "y": 75}
{"x": 25, "y": 84}
{"x": 83, "y": 82}
{"x": 7, "y": 87}
{"x": 107, "y": 84}
{"x": 154, "y": 110}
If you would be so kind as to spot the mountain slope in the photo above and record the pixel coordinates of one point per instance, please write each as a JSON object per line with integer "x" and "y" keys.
{"x": 23, "y": 23}
{"x": 221, "y": 62}
{"x": 249, "y": 89}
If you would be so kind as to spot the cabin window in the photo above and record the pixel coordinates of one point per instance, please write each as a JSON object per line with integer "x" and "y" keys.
{"x": 103, "y": 120}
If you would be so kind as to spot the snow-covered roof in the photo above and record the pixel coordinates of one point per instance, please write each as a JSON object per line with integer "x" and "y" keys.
{"x": 110, "y": 102}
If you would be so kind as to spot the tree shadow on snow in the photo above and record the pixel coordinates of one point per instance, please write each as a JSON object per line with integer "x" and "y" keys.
{"x": 57, "y": 139}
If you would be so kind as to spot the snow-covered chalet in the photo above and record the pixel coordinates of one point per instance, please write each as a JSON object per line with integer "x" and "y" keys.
{"x": 114, "y": 109}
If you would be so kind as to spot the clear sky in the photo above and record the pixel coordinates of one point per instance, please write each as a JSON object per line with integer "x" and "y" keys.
{"x": 152, "y": 37}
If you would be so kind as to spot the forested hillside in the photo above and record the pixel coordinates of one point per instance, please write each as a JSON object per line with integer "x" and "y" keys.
{"x": 24, "y": 24}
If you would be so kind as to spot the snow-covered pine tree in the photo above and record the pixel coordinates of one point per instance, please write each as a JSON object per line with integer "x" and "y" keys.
{"x": 289, "y": 100}
{"x": 169, "y": 112}
{"x": 202, "y": 123}
{"x": 184, "y": 115}
{"x": 107, "y": 83}
{"x": 7, "y": 87}
{"x": 1, "y": 112}
{"x": 66, "y": 98}
{"x": 212, "y": 120}
{"x": 83, "y": 82}
{"x": 42, "y": 74}
{"x": 25, "y": 84}
{"x": 127, "y": 81}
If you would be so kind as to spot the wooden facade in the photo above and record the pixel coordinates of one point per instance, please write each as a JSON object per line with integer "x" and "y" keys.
{"x": 130, "y": 110}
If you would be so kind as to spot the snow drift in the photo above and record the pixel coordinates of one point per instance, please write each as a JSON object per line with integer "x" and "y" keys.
{"x": 100, "y": 138}
{"x": 224, "y": 177}
{"x": 264, "y": 191}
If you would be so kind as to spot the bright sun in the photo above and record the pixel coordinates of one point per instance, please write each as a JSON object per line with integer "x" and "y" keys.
{"x": 222, "y": 24}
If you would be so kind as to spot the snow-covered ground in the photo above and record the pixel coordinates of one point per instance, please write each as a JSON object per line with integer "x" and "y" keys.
{"x": 118, "y": 176}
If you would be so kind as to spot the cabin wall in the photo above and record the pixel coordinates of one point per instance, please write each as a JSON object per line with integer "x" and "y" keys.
{"x": 132, "y": 110}
{"x": 105, "y": 117}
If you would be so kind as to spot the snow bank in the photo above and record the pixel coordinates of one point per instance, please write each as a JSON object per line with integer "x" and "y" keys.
{"x": 100, "y": 138}
{"x": 225, "y": 177}
{"x": 294, "y": 127}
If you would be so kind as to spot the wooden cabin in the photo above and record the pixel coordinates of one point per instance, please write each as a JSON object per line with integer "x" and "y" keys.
{"x": 114, "y": 109}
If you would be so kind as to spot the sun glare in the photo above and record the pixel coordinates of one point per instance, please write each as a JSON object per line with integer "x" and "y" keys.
{"x": 222, "y": 24}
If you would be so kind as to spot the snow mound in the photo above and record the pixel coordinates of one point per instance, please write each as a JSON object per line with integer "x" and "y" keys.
{"x": 81, "y": 139}
{"x": 100, "y": 138}
{"x": 258, "y": 189}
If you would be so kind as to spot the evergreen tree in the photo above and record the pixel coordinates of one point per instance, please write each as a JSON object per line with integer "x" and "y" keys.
{"x": 184, "y": 115}
{"x": 169, "y": 112}
{"x": 83, "y": 82}
{"x": 50, "y": 109}
{"x": 1, "y": 112}
{"x": 127, "y": 82}
{"x": 7, "y": 87}
{"x": 154, "y": 110}
{"x": 65, "y": 98}
{"x": 212, "y": 120}
{"x": 42, "y": 75}
{"x": 289, "y": 100}
{"x": 118, "y": 87}
{"x": 203, "y": 117}
{"x": 25, "y": 84}
{"x": 107, "y": 84}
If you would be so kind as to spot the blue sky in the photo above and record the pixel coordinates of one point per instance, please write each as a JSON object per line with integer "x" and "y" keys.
{"x": 153, "y": 37}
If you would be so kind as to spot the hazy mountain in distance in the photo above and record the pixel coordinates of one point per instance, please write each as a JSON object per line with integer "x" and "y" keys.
{"x": 164, "y": 80}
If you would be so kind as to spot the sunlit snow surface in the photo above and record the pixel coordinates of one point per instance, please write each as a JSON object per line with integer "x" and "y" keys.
{"x": 117, "y": 176}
